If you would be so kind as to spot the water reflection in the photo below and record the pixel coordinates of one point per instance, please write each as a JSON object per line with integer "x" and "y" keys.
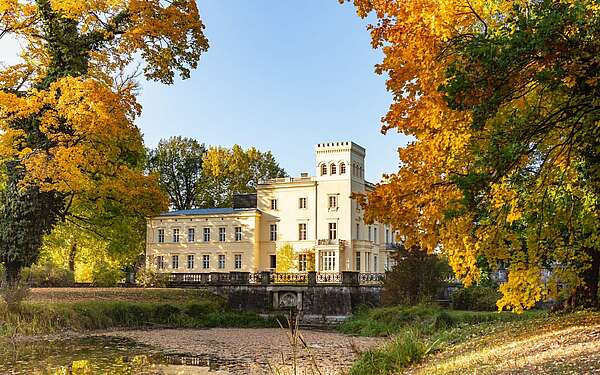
{"x": 99, "y": 355}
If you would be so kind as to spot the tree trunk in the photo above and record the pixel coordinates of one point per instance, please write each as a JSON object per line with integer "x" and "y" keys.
{"x": 587, "y": 294}
{"x": 12, "y": 275}
{"x": 72, "y": 254}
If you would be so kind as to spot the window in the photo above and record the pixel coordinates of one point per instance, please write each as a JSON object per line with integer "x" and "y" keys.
{"x": 176, "y": 235}
{"x": 273, "y": 232}
{"x": 222, "y": 234}
{"x": 302, "y": 262}
{"x": 375, "y": 239}
{"x": 237, "y": 264}
{"x": 206, "y": 232}
{"x": 160, "y": 262}
{"x": 357, "y": 261}
{"x": 323, "y": 170}
{"x": 342, "y": 168}
{"x": 369, "y": 229}
{"x": 357, "y": 231}
{"x": 205, "y": 261}
{"x": 161, "y": 235}
{"x": 175, "y": 261}
{"x": 332, "y": 231}
{"x": 273, "y": 204}
{"x": 190, "y": 262}
{"x": 387, "y": 235}
{"x": 273, "y": 261}
{"x": 302, "y": 203}
{"x": 302, "y": 232}
{"x": 332, "y": 169}
{"x": 332, "y": 202}
{"x": 221, "y": 261}
{"x": 191, "y": 234}
{"x": 375, "y": 263}
{"x": 328, "y": 261}
{"x": 238, "y": 233}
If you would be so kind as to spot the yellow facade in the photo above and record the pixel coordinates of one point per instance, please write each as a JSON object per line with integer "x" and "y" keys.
{"x": 315, "y": 215}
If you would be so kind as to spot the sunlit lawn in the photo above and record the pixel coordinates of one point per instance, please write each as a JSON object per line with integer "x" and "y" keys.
{"x": 161, "y": 295}
{"x": 555, "y": 344}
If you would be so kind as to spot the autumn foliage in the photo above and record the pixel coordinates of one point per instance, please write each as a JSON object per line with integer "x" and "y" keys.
{"x": 501, "y": 101}
{"x": 69, "y": 146}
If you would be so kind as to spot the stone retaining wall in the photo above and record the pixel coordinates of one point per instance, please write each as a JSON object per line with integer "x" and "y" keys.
{"x": 318, "y": 300}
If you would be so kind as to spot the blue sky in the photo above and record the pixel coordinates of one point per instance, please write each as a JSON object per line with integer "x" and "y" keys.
{"x": 280, "y": 75}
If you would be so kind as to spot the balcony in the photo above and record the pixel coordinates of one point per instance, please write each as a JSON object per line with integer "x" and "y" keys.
{"x": 393, "y": 246}
{"x": 330, "y": 242}
{"x": 329, "y": 245}
{"x": 362, "y": 245}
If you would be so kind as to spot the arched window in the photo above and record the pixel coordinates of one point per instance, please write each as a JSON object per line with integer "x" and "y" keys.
{"x": 323, "y": 170}
{"x": 342, "y": 168}
{"x": 332, "y": 169}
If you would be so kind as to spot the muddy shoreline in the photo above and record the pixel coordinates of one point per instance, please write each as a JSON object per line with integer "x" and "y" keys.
{"x": 255, "y": 350}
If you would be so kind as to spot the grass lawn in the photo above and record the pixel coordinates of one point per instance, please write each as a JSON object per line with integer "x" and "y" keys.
{"x": 160, "y": 295}
{"x": 50, "y": 310}
{"x": 430, "y": 340}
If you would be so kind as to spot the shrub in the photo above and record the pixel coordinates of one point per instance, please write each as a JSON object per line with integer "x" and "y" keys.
{"x": 387, "y": 321}
{"x": 48, "y": 275}
{"x": 105, "y": 275}
{"x": 147, "y": 277}
{"x": 200, "y": 309}
{"x": 33, "y": 318}
{"x": 476, "y": 298}
{"x": 417, "y": 277}
{"x": 13, "y": 296}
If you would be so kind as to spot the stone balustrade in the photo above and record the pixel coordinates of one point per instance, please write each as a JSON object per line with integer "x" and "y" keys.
{"x": 345, "y": 278}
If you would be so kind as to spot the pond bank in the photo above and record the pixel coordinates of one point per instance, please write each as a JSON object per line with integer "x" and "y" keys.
{"x": 55, "y": 311}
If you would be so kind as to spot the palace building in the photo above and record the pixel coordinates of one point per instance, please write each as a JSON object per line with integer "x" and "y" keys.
{"x": 315, "y": 215}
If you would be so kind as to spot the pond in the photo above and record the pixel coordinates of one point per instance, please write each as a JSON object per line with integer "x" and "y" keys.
{"x": 183, "y": 352}
{"x": 100, "y": 355}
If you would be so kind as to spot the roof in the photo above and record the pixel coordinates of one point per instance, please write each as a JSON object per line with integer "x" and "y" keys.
{"x": 206, "y": 211}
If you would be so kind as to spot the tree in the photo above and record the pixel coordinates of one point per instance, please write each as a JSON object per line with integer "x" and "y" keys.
{"x": 235, "y": 170}
{"x": 501, "y": 99}
{"x": 416, "y": 277}
{"x": 178, "y": 164}
{"x": 67, "y": 111}
{"x": 286, "y": 259}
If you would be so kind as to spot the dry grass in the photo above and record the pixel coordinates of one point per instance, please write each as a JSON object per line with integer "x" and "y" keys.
{"x": 557, "y": 344}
